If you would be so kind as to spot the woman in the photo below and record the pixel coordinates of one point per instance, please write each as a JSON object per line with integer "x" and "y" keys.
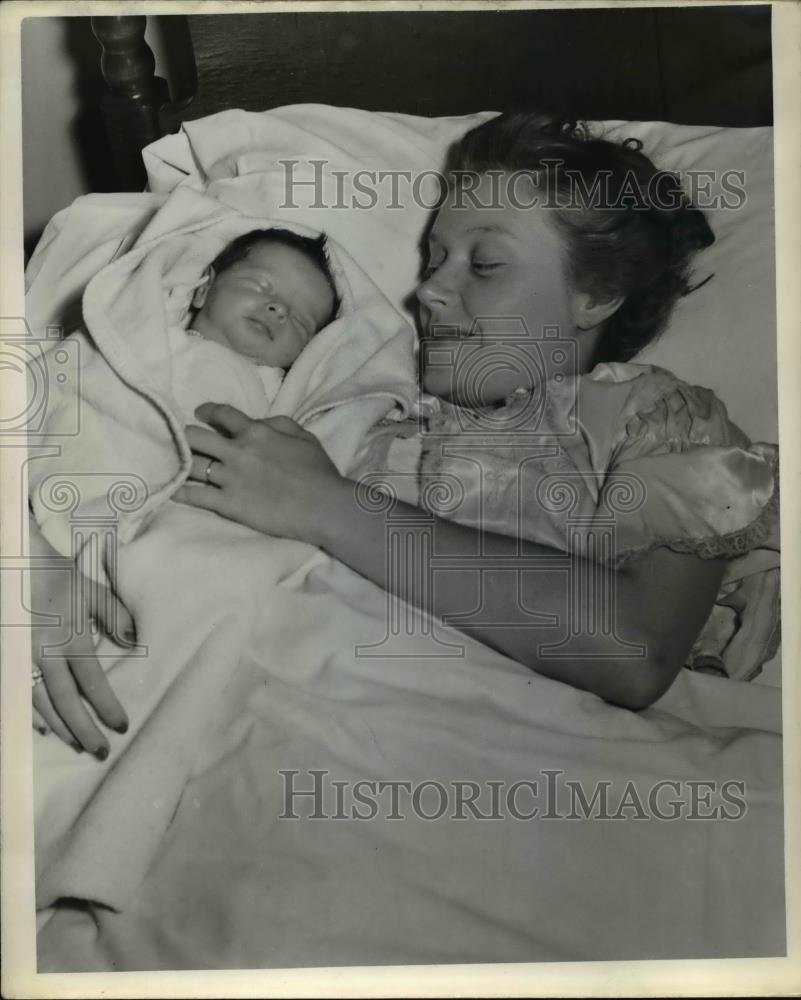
{"x": 544, "y": 229}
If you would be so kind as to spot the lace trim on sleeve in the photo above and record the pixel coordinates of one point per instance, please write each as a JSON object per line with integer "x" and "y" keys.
{"x": 729, "y": 546}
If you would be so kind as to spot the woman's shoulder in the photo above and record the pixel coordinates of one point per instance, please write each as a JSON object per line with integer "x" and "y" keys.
{"x": 616, "y": 406}
{"x": 638, "y": 384}
{"x": 650, "y": 406}
{"x": 708, "y": 489}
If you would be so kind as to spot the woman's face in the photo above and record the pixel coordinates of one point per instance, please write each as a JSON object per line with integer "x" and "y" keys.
{"x": 495, "y": 279}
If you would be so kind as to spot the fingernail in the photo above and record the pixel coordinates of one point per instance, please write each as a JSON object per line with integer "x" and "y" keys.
{"x": 121, "y": 728}
{"x": 101, "y": 753}
{"x": 76, "y": 747}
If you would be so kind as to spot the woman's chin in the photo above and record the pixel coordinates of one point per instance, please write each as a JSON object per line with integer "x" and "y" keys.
{"x": 439, "y": 382}
{"x": 466, "y": 375}
{"x": 448, "y": 388}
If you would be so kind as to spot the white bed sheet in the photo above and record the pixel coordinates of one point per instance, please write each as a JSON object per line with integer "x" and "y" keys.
{"x": 235, "y": 886}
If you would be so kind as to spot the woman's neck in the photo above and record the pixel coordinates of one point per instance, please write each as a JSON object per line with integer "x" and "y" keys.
{"x": 583, "y": 358}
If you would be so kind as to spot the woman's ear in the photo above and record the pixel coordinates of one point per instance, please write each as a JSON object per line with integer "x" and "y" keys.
{"x": 590, "y": 309}
{"x": 200, "y": 294}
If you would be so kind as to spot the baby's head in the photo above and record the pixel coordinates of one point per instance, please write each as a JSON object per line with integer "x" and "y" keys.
{"x": 267, "y": 294}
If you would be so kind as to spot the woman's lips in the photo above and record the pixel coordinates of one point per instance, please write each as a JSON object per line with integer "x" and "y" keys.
{"x": 435, "y": 330}
{"x": 438, "y": 329}
{"x": 447, "y": 337}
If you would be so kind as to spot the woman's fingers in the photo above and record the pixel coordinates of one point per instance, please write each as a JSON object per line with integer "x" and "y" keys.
{"x": 224, "y": 418}
{"x": 286, "y": 425}
{"x": 58, "y": 698}
{"x": 110, "y": 613}
{"x": 70, "y": 710}
{"x": 44, "y": 707}
{"x": 95, "y": 688}
{"x": 39, "y": 723}
{"x": 64, "y": 653}
{"x": 207, "y": 442}
{"x": 206, "y": 470}
{"x": 199, "y": 495}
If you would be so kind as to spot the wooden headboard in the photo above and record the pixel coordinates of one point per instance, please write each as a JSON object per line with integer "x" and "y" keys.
{"x": 690, "y": 65}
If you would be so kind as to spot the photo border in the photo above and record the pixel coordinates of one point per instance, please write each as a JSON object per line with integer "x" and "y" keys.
{"x": 641, "y": 978}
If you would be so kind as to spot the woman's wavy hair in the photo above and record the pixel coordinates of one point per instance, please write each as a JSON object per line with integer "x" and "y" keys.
{"x": 633, "y": 236}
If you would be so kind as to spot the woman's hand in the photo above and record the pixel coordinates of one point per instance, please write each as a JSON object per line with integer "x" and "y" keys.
{"x": 268, "y": 474}
{"x": 64, "y": 651}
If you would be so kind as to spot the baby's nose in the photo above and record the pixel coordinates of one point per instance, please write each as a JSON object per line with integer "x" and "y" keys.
{"x": 277, "y": 309}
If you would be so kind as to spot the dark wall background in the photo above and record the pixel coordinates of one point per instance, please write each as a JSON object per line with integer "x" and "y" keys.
{"x": 692, "y": 65}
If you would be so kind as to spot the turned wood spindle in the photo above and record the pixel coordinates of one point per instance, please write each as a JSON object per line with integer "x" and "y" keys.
{"x": 135, "y": 96}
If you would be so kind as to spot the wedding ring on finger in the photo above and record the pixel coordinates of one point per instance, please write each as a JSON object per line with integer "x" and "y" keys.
{"x": 207, "y": 474}
{"x": 36, "y": 677}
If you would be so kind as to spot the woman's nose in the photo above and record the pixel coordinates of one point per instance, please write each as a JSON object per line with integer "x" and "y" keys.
{"x": 436, "y": 289}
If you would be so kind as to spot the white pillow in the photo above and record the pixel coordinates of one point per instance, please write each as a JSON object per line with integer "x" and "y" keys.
{"x": 722, "y": 336}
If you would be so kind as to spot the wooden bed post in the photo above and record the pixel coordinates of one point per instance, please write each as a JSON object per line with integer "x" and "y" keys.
{"x": 131, "y": 107}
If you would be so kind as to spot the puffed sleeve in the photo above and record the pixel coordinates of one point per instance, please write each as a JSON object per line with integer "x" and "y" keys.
{"x": 702, "y": 487}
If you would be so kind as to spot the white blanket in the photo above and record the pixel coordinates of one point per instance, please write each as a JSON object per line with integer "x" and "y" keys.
{"x": 233, "y": 885}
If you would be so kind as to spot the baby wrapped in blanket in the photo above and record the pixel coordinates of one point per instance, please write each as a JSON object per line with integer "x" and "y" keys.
{"x": 206, "y": 594}
{"x": 259, "y": 303}
{"x": 187, "y": 301}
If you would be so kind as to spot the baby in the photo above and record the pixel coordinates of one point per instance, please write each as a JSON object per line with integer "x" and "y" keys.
{"x": 261, "y": 301}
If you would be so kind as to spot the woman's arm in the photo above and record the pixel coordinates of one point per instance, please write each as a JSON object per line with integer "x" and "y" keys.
{"x": 661, "y": 601}
{"x": 276, "y": 477}
{"x": 64, "y": 652}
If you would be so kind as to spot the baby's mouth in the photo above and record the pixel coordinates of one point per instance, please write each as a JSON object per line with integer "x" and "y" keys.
{"x": 261, "y": 326}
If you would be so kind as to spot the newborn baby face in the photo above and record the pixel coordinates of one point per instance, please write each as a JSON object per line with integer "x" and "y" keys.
{"x": 266, "y": 306}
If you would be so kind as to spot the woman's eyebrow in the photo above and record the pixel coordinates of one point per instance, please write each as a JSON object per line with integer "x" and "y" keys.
{"x": 493, "y": 228}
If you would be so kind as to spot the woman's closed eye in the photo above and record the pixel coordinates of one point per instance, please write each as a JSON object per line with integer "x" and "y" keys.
{"x": 480, "y": 266}
{"x": 431, "y": 267}
{"x": 484, "y": 267}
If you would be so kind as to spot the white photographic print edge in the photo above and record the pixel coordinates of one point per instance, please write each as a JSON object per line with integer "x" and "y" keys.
{"x": 644, "y": 977}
